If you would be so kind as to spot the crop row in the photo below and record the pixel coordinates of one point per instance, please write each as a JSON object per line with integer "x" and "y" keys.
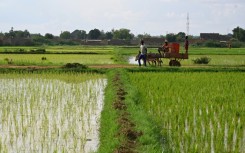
{"x": 197, "y": 112}
{"x": 50, "y": 115}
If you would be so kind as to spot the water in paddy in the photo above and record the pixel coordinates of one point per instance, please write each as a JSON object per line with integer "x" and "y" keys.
{"x": 41, "y": 115}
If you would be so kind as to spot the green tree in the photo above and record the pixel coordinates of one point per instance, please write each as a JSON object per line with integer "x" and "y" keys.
{"x": 102, "y": 35}
{"x": 239, "y": 33}
{"x": 20, "y": 34}
{"x": 11, "y": 33}
{"x": 1, "y": 35}
{"x": 49, "y": 36}
{"x": 83, "y": 34}
{"x": 26, "y": 34}
{"x": 77, "y": 34}
{"x": 123, "y": 34}
{"x": 109, "y": 35}
{"x": 94, "y": 34}
{"x": 39, "y": 39}
{"x": 141, "y": 36}
{"x": 171, "y": 37}
{"x": 65, "y": 35}
{"x": 180, "y": 36}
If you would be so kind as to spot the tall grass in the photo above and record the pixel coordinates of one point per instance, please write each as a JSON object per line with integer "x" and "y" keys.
{"x": 197, "y": 112}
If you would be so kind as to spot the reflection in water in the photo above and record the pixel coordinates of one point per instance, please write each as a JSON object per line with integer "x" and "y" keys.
{"x": 42, "y": 115}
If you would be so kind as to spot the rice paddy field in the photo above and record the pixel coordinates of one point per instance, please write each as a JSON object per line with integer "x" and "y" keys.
{"x": 197, "y": 112}
{"x": 193, "y": 108}
{"x": 50, "y": 112}
{"x": 61, "y": 49}
{"x": 56, "y": 59}
{"x": 216, "y": 60}
{"x": 57, "y": 55}
{"x": 90, "y": 55}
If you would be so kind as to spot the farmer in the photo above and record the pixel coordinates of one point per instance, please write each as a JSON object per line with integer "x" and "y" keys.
{"x": 143, "y": 52}
{"x": 165, "y": 46}
{"x": 186, "y": 44}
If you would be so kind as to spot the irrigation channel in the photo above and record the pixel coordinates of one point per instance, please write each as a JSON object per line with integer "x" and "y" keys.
{"x": 49, "y": 115}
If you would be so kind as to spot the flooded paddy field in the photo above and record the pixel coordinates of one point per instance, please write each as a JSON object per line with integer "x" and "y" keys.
{"x": 50, "y": 115}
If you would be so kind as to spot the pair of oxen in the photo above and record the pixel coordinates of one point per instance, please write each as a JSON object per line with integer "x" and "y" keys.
{"x": 153, "y": 58}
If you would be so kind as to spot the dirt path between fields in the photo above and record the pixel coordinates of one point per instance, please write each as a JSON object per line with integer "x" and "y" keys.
{"x": 126, "y": 126}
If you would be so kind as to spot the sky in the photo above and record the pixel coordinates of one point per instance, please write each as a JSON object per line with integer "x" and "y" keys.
{"x": 154, "y": 17}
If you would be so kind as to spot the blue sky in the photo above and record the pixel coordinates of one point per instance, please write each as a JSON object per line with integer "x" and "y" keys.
{"x": 154, "y": 17}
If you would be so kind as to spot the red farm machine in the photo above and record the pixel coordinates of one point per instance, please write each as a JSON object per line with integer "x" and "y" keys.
{"x": 172, "y": 53}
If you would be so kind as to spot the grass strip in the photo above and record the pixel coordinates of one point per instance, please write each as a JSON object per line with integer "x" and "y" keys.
{"x": 150, "y": 140}
{"x": 108, "y": 124}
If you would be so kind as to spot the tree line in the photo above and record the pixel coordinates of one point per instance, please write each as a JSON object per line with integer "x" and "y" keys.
{"x": 18, "y": 37}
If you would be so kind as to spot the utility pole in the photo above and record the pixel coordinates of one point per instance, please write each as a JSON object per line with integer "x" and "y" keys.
{"x": 187, "y": 25}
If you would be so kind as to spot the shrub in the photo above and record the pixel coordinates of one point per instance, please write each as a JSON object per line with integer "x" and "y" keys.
{"x": 75, "y": 65}
{"x": 236, "y": 44}
{"x": 21, "y": 50}
{"x": 41, "y": 50}
{"x": 10, "y": 61}
{"x": 211, "y": 43}
{"x": 202, "y": 60}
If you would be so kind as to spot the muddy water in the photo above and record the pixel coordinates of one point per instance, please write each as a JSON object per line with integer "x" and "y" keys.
{"x": 131, "y": 60}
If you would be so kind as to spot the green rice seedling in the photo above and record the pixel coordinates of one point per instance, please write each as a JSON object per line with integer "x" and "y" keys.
{"x": 198, "y": 112}
{"x": 57, "y": 59}
{"x": 43, "y": 114}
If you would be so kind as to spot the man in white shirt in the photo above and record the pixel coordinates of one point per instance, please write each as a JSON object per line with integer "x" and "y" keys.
{"x": 143, "y": 52}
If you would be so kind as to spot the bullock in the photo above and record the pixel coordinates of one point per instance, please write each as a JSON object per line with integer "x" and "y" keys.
{"x": 151, "y": 58}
